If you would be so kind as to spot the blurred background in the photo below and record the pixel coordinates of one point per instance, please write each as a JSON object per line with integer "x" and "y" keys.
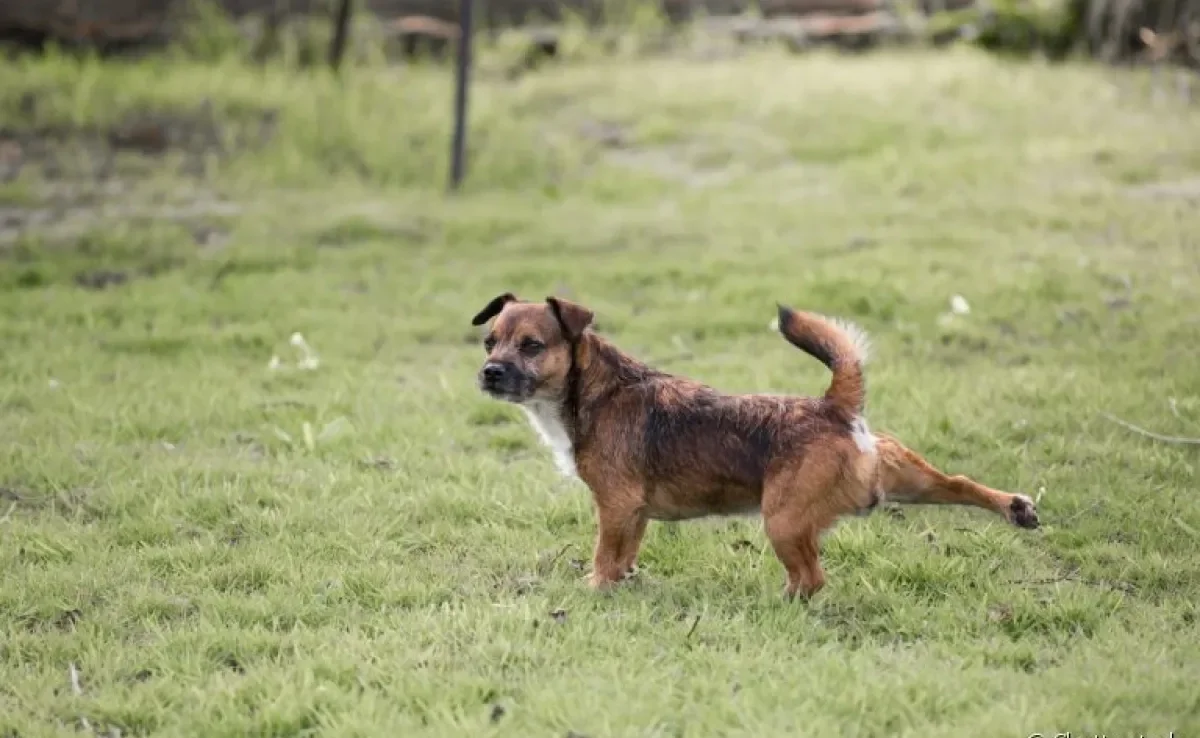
{"x": 1111, "y": 29}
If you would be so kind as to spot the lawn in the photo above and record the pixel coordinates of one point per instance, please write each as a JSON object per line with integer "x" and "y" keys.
{"x": 204, "y": 533}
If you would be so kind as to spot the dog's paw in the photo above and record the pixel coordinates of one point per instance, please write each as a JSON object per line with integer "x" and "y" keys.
{"x": 797, "y": 597}
{"x": 599, "y": 583}
{"x": 800, "y": 592}
{"x": 1022, "y": 512}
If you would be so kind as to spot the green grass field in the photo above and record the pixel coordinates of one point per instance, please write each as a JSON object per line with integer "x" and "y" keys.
{"x": 219, "y": 544}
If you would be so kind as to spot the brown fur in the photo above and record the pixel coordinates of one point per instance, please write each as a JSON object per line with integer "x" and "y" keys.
{"x": 653, "y": 446}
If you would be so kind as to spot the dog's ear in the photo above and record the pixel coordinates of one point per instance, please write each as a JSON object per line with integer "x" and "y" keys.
{"x": 493, "y": 308}
{"x": 573, "y": 318}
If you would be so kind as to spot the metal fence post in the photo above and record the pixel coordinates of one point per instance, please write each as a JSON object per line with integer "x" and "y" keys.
{"x": 458, "y": 152}
{"x": 341, "y": 33}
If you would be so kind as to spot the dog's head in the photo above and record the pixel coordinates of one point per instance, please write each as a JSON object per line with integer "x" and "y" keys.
{"x": 529, "y": 346}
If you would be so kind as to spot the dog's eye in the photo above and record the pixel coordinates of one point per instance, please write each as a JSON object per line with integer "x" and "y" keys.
{"x": 532, "y": 346}
{"x": 489, "y": 343}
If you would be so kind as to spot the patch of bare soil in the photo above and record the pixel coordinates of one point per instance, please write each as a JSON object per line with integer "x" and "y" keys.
{"x": 1186, "y": 189}
{"x": 86, "y": 178}
{"x": 65, "y": 213}
{"x": 677, "y": 166}
{"x": 88, "y": 152}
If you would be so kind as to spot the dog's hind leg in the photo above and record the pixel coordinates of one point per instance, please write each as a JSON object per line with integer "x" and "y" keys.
{"x": 904, "y": 477}
{"x": 800, "y": 502}
{"x": 799, "y": 552}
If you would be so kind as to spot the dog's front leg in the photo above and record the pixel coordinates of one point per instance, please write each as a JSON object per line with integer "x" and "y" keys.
{"x": 907, "y": 478}
{"x": 620, "y": 529}
{"x": 633, "y": 542}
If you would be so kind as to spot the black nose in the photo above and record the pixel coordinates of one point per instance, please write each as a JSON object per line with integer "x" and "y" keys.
{"x": 493, "y": 371}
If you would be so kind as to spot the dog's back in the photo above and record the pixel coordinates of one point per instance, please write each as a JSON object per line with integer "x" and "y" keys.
{"x": 696, "y": 451}
{"x": 708, "y": 453}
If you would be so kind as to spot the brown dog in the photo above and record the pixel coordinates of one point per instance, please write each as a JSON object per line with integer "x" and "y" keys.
{"x": 652, "y": 446}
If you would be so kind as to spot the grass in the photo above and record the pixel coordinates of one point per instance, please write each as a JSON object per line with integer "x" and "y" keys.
{"x": 371, "y": 547}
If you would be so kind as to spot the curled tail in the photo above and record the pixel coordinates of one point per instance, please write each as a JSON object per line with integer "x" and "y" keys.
{"x": 839, "y": 345}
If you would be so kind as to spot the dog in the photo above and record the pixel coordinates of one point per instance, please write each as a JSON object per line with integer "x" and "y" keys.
{"x": 655, "y": 446}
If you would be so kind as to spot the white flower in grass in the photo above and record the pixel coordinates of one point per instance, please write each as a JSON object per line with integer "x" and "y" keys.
{"x": 310, "y": 360}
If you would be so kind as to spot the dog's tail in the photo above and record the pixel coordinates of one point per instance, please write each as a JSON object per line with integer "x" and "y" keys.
{"x": 837, "y": 344}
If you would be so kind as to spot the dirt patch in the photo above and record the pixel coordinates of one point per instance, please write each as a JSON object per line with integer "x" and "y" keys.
{"x": 97, "y": 246}
{"x": 61, "y": 216}
{"x": 100, "y": 279}
{"x": 675, "y": 166}
{"x": 1186, "y": 189}
{"x": 100, "y": 153}
{"x": 66, "y": 502}
{"x": 605, "y": 133}
{"x": 80, "y": 181}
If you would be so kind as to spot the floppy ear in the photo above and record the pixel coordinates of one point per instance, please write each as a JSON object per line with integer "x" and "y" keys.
{"x": 572, "y": 317}
{"x": 493, "y": 308}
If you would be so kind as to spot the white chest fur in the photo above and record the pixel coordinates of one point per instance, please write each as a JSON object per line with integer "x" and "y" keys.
{"x": 547, "y": 421}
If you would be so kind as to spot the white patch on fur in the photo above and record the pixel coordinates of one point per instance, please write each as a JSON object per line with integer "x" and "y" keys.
{"x": 546, "y": 419}
{"x": 862, "y": 435}
{"x": 858, "y": 337}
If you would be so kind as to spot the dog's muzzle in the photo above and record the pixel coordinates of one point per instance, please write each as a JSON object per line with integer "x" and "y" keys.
{"x": 504, "y": 381}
